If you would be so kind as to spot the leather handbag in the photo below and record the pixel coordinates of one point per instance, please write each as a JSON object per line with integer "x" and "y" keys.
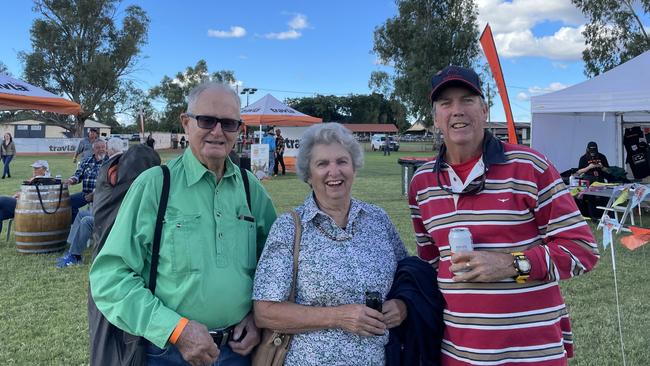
{"x": 274, "y": 346}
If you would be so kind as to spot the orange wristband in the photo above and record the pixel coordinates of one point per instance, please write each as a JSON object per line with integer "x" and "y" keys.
{"x": 178, "y": 330}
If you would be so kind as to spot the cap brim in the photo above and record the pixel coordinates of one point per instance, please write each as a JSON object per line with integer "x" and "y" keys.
{"x": 452, "y": 82}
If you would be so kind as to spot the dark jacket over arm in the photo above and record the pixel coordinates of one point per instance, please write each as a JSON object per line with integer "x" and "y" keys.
{"x": 417, "y": 340}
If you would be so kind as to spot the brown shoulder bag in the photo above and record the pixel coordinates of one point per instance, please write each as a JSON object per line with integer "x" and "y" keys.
{"x": 274, "y": 346}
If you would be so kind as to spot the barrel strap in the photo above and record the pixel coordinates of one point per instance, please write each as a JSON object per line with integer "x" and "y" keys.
{"x": 40, "y": 199}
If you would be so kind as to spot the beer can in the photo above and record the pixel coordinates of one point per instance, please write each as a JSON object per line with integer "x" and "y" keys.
{"x": 460, "y": 240}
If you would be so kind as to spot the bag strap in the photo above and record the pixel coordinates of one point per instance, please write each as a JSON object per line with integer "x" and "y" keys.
{"x": 162, "y": 207}
{"x": 247, "y": 188}
{"x": 296, "y": 251}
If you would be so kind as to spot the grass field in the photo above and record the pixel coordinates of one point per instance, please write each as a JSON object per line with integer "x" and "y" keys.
{"x": 43, "y": 309}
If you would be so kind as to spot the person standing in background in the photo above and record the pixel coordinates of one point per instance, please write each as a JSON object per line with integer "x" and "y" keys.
{"x": 7, "y": 152}
{"x": 85, "y": 147}
{"x": 279, "y": 152}
{"x": 269, "y": 139}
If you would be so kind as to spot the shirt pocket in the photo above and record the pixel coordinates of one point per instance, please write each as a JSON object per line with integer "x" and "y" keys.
{"x": 242, "y": 237}
{"x": 183, "y": 231}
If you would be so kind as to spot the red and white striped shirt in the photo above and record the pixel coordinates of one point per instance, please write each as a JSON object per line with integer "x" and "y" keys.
{"x": 524, "y": 207}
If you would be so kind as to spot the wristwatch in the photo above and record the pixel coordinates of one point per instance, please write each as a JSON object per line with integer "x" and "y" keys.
{"x": 522, "y": 266}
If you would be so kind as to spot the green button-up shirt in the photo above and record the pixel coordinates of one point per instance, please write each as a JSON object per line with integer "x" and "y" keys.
{"x": 208, "y": 252}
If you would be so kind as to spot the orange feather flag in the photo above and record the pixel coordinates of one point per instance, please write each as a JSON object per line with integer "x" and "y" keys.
{"x": 490, "y": 49}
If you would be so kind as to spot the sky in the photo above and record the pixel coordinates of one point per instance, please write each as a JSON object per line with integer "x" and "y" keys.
{"x": 302, "y": 48}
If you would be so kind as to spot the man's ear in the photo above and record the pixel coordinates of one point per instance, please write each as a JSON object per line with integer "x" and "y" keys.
{"x": 184, "y": 121}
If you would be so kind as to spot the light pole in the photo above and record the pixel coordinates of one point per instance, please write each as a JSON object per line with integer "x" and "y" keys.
{"x": 248, "y": 91}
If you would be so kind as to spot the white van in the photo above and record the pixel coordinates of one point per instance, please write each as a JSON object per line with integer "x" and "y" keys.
{"x": 378, "y": 141}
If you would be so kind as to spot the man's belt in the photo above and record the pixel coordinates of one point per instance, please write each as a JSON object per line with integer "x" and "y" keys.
{"x": 222, "y": 336}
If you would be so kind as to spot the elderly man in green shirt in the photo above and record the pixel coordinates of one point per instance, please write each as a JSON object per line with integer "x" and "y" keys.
{"x": 209, "y": 249}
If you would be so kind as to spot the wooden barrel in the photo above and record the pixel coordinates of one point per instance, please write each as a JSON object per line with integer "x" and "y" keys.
{"x": 42, "y": 224}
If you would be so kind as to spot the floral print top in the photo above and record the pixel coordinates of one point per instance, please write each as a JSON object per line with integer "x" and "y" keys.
{"x": 335, "y": 267}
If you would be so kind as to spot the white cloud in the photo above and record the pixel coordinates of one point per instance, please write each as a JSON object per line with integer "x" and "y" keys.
{"x": 290, "y": 34}
{"x": 560, "y": 65}
{"x": 566, "y": 44}
{"x": 299, "y": 21}
{"x": 243, "y": 57}
{"x": 235, "y": 32}
{"x": 537, "y": 90}
{"x": 512, "y": 24}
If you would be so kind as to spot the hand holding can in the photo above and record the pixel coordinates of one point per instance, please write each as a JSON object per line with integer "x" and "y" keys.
{"x": 460, "y": 240}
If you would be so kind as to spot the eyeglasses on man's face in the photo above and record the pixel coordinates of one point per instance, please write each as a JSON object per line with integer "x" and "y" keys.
{"x": 209, "y": 122}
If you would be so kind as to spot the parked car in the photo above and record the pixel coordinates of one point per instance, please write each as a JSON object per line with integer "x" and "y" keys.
{"x": 135, "y": 137}
{"x": 378, "y": 141}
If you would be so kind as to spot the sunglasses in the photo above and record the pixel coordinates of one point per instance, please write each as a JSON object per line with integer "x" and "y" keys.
{"x": 209, "y": 122}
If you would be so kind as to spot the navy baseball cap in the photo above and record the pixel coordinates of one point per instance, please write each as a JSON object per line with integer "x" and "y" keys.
{"x": 454, "y": 76}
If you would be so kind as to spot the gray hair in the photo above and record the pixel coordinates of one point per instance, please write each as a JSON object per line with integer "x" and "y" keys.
{"x": 114, "y": 145}
{"x": 194, "y": 94}
{"x": 326, "y": 134}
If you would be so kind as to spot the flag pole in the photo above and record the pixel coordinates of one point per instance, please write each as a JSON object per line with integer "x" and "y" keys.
{"x": 618, "y": 304}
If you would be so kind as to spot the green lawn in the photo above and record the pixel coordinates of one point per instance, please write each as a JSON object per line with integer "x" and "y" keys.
{"x": 43, "y": 309}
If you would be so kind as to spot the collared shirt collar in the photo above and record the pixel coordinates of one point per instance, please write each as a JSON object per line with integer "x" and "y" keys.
{"x": 493, "y": 153}
{"x": 195, "y": 170}
{"x": 311, "y": 209}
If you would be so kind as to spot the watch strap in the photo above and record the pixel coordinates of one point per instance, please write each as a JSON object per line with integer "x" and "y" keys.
{"x": 521, "y": 277}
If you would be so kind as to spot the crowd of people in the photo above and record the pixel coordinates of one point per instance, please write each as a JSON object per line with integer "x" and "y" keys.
{"x": 225, "y": 268}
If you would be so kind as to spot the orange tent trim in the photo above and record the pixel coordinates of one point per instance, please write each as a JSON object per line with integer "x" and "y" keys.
{"x": 57, "y": 105}
{"x": 282, "y": 120}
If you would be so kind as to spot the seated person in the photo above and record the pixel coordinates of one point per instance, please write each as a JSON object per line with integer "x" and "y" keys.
{"x": 80, "y": 232}
{"x": 8, "y": 203}
{"x": 87, "y": 175}
{"x": 593, "y": 165}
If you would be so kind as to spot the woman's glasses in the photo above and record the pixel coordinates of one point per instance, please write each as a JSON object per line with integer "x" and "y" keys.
{"x": 209, "y": 122}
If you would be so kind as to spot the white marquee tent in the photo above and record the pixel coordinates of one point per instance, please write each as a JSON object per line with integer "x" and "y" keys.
{"x": 595, "y": 110}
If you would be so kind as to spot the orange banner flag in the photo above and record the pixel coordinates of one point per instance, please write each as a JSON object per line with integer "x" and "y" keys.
{"x": 490, "y": 50}
{"x": 639, "y": 237}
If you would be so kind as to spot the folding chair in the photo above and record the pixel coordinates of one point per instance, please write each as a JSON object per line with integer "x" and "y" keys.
{"x": 626, "y": 210}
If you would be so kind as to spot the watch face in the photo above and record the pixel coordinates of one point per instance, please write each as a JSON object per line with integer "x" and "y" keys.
{"x": 524, "y": 266}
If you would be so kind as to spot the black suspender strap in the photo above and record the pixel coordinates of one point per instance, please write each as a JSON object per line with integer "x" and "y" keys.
{"x": 244, "y": 176}
{"x": 157, "y": 234}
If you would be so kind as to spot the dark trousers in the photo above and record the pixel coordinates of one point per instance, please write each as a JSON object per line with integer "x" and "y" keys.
{"x": 587, "y": 205}
{"x": 77, "y": 201}
{"x": 279, "y": 159}
{"x": 6, "y": 159}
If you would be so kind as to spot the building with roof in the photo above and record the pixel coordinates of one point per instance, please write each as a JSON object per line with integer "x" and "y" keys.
{"x": 363, "y": 131}
{"x": 30, "y": 128}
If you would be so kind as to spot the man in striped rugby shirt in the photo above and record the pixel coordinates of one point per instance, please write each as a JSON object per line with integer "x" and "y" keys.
{"x": 506, "y": 307}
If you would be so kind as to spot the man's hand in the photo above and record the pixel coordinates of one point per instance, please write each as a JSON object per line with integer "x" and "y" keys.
{"x": 196, "y": 345}
{"x": 483, "y": 266}
{"x": 360, "y": 319}
{"x": 69, "y": 181}
{"x": 251, "y": 338}
{"x": 89, "y": 196}
{"x": 395, "y": 312}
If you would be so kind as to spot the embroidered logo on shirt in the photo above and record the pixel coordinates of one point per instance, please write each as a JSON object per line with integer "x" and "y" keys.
{"x": 503, "y": 199}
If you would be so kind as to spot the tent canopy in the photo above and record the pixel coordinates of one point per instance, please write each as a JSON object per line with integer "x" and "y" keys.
{"x": 597, "y": 110}
{"x": 270, "y": 111}
{"x": 625, "y": 88}
{"x": 17, "y": 94}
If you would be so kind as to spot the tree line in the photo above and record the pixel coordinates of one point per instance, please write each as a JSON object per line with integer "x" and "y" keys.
{"x": 88, "y": 50}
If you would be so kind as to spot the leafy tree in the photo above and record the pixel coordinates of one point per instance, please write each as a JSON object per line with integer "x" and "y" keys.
{"x": 78, "y": 51}
{"x": 4, "y": 69}
{"x": 172, "y": 91}
{"x": 424, "y": 37}
{"x": 373, "y": 108}
{"x": 615, "y": 32}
